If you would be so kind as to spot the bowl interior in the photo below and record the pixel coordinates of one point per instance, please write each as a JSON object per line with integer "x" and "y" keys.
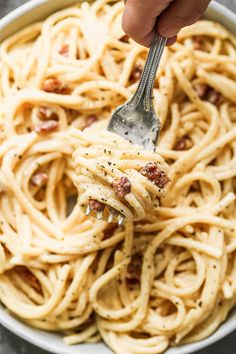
{"x": 36, "y": 10}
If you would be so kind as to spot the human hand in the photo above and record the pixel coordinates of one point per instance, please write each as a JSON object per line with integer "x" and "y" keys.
{"x": 140, "y": 16}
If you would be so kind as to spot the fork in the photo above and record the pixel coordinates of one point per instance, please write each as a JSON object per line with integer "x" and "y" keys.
{"x": 136, "y": 120}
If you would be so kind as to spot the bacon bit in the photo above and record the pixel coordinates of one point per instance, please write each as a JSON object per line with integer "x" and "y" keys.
{"x": 135, "y": 268}
{"x": 47, "y": 127}
{"x": 92, "y": 118}
{"x": 152, "y": 172}
{"x": 55, "y": 86}
{"x": 208, "y": 93}
{"x": 96, "y": 205}
{"x": 214, "y": 96}
{"x": 202, "y": 90}
{"x": 198, "y": 43}
{"x": 125, "y": 39}
{"x": 136, "y": 73}
{"x": 45, "y": 113}
{"x": 39, "y": 179}
{"x": 29, "y": 277}
{"x": 64, "y": 50}
{"x": 181, "y": 145}
{"x": 52, "y": 85}
{"x": 122, "y": 187}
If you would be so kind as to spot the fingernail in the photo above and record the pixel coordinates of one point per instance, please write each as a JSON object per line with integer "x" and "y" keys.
{"x": 169, "y": 32}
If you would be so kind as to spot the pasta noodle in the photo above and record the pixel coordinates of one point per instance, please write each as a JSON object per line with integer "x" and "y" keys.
{"x": 168, "y": 275}
{"x": 113, "y": 173}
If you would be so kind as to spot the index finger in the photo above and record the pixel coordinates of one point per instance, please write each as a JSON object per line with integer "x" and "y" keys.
{"x": 140, "y": 17}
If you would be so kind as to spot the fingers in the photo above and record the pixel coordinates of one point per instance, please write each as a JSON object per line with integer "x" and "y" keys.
{"x": 179, "y": 14}
{"x": 140, "y": 17}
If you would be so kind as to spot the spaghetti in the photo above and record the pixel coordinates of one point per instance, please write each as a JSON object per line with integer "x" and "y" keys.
{"x": 160, "y": 281}
{"x": 116, "y": 178}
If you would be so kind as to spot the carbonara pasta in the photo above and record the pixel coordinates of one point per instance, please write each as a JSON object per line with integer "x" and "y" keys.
{"x": 165, "y": 279}
{"x": 115, "y": 179}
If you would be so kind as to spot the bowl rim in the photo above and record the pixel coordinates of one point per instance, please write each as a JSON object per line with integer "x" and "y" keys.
{"x": 10, "y": 24}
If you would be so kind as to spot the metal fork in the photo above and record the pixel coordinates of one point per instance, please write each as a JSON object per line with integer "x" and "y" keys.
{"x": 136, "y": 120}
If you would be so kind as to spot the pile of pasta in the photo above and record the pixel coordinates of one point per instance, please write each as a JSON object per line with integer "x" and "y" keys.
{"x": 166, "y": 279}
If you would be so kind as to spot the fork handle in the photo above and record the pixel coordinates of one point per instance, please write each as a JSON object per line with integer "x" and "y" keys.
{"x": 145, "y": 88}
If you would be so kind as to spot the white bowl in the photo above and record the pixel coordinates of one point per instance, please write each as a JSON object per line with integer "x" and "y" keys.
{"x": 36, "y": 10}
